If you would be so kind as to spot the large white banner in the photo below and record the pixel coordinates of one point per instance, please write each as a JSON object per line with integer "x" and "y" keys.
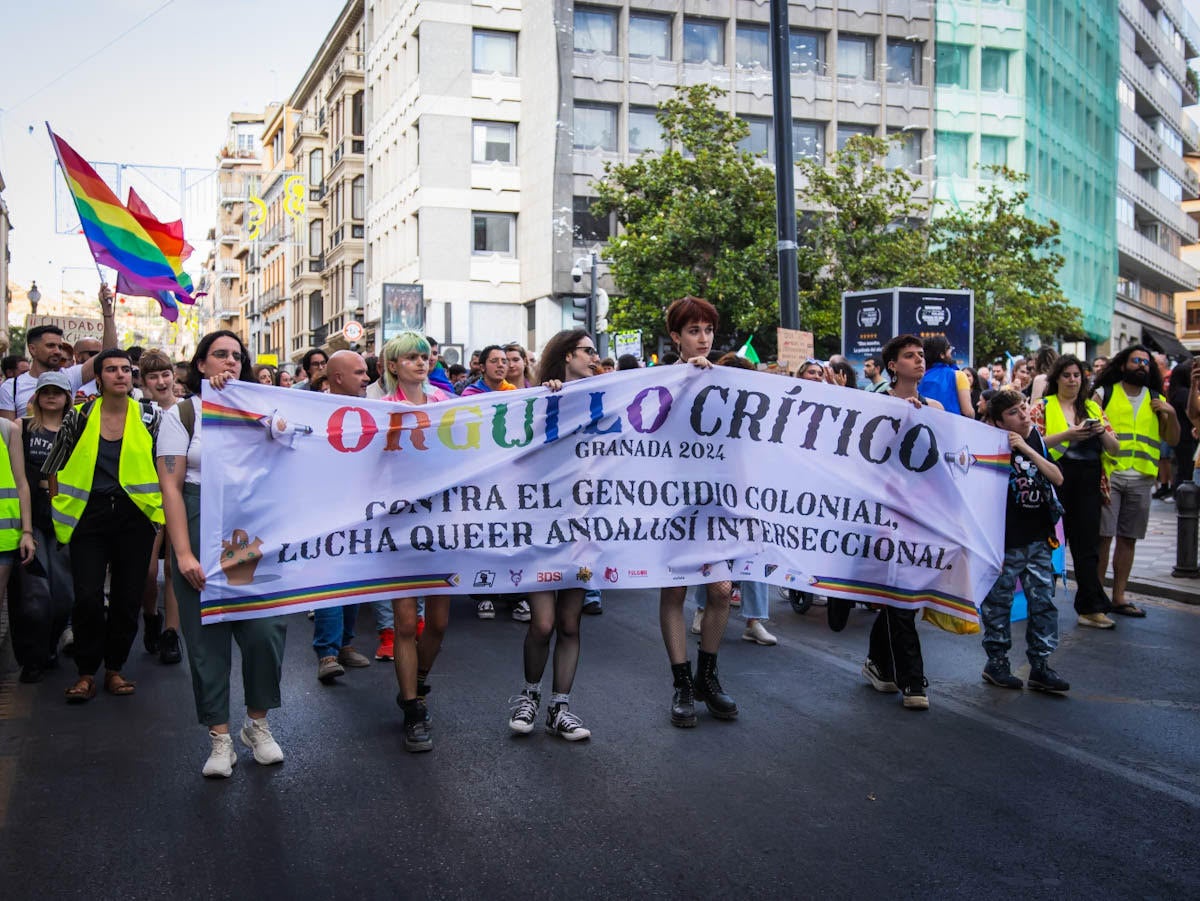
{"x": 664, "y": 476}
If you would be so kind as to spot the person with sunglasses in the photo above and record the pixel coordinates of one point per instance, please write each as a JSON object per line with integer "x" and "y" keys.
{"x": 1130, "y": 392}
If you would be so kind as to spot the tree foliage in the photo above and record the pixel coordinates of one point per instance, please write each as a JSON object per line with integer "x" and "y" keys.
{"x": 699, "y": 218}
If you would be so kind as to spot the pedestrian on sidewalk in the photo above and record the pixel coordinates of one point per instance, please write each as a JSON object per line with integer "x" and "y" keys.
{"x": 1077, "y": 434}
{"x": 1031, "y": 513}
{"x": 1130, "y": 391}
{"x": 220, "y": 358}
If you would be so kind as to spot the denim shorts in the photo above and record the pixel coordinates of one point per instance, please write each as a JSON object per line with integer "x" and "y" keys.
{"x": 8, "y": 558}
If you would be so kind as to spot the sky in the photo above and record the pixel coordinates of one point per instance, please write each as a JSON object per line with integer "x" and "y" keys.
{"x": 157, "y": 96}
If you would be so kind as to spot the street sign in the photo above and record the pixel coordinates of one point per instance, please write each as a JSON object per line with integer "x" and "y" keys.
{"x": 795, "y": 347}
{"x": 354, "y": 331}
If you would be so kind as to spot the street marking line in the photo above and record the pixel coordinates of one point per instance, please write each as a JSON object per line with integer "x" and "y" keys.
{"x": 1024, "y": 732}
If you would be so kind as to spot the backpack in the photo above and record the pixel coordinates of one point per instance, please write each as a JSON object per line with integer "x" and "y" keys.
{"x": 187, "y": 415}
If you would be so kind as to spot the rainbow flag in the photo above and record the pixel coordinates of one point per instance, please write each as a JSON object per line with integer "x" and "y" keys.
{"x": 168, "y": 236}
{"x": 115, "y": 238}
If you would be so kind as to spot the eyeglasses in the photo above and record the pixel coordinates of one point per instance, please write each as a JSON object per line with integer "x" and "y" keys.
{"x": 590, "y": 351}
{"x": 222, "y": 354}
{"x": 1140, "y": 361}
{"x": 86, "y": 354}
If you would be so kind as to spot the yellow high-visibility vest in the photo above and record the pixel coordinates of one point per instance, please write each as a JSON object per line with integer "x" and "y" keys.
{"x": 136, "y": 473}
{"x": 10, "y": 504}
{"x": 1139, "y": 437}
{"x": 1056, "y": 422}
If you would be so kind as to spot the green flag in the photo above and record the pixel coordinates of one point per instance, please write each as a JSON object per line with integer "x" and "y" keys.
{"x": 747, "y": 351}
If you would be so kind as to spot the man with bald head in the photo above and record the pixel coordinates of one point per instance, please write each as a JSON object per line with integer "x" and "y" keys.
{"x": 346, "y": 373}
{"x": 333, "y": 627}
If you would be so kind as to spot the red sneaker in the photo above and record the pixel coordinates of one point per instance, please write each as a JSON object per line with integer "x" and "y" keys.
{"x": 387, "y": 645}
{"x": 420, "y": 626}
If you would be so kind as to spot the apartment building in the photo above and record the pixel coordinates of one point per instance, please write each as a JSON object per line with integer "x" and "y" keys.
{"x": 224, "y": 277}
{"x": 480, "y": 177}
{"x": 1157, "y": 39}
{"x": 326, "y": 282}
{"x": 5, "y": 256}
{"x": 1187, "y": 303}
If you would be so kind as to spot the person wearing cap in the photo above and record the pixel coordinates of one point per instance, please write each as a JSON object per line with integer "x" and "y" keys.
{"x": 45, "y": 346}
{"x": 106, "y": 501}
{"x": 42, "y": 607}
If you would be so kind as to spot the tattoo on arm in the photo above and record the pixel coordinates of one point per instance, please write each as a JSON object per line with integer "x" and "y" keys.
{"x": 169, "y": 462}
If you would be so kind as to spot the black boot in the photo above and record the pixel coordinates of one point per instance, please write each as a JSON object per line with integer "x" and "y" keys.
{"x": 168, "y": 647}
{"x": 417, "y": 737}
{"x": 709, "y": 690}
{"x": 683, "y": 703}
{"x": 151, "y": 630}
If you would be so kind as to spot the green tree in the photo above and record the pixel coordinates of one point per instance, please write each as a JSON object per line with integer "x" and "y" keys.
{"x": 1010, "y": 261}
{"x": 16, "y": 340}
{"x": 867, "y": 229}
{"x": 699, "y": 219}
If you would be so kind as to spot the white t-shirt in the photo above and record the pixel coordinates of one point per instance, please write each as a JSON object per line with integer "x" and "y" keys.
{"x": 173, "y": 439}
{"x": 25, "y": 384}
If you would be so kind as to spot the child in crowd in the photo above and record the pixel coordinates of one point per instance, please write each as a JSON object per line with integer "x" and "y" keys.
{"x": 1033, "y": 510}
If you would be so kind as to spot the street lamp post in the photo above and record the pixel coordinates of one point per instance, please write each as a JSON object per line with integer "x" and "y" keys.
{"x": 34, "y": 296}
{"x": 592, "y": 312}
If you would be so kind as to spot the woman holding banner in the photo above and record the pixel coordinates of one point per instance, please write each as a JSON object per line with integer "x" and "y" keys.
{"x": 220, "y": 357}
{"x": 568, "y": 356}
{"x": 692, "y": 323}
{"x": 406, "y": 381}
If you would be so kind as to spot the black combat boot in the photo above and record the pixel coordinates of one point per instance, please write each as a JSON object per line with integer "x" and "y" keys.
{"x": 683, "y": 703}
{"x": 709, "y": 690}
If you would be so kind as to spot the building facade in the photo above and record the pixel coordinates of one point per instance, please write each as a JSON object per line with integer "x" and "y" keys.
{"x": 480, "y": 178}
{"x": 1157, "y": 39}
{"x": 5, "y": 257}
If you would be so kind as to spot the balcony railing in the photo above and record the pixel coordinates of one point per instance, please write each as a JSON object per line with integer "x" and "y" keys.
{"x": 1145, "y": 24}
{"x": 1149, "y": 198}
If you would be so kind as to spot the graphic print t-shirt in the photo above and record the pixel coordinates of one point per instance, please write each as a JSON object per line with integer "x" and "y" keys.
{"x": 1030, "y": 499}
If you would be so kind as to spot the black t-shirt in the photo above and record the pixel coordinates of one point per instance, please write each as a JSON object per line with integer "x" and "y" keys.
{"x": 107, "y": 479}
{"x": 37, "y": 444}
{"x": 1030, "y": 499}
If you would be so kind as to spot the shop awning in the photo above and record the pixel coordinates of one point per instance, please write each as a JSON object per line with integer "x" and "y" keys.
{"x": 1164, "y": 342}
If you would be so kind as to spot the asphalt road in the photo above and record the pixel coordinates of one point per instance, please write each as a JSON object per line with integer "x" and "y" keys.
{"x": 822, "y": 788}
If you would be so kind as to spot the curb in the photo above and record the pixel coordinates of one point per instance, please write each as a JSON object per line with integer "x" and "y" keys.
{"x": 1186, "y": 592}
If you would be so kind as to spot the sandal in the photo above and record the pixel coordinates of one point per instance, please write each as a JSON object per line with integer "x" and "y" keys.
{"x": 82, "y": 691}
{"x": 116, "y": 684}
{"x": 1128, "y": 610}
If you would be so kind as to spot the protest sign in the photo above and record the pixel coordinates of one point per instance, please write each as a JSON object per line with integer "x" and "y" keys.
{"x": 795, "y": 348}
{"x": 664, "y": 476}
{"x": 73, "y": 327}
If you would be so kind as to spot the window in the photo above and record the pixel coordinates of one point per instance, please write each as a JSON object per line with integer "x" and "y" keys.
{"x": 753, "y": 46}
{"x": 807, "y": 51}
{"x": 1192, "y": 319}
{"x": 494, "y": 52}
{"x": 951, "y": 149}
{"x": 905, "y": 152}
{"x": 316, "y": 168}
{"x": 1169, "y": 187}
{"x": 316, "y": 237}
{"x": 277, "y": 148}
{"x": 703, "y": 42}
{"x": 1125, "y": 151}
{"x": 358, "y": 197}
{"x": 1125, "y": 213}
{"x": 904, "y": 62}
{"x": 993, "y": 69}
{"x": 494, "y": 233}
{"x": 358, "y": 277}
{"x": 1169, "y": 136}
{"x": 761, "y": 139}
{"x": 356, "y": 113}
{"x": 993, "y": 151}
{"x": 856, "y": 56}
{"x": 587, "y": 227}
{"x": 493, "y": 142}
{"x": 808, "y": 141}
{"x": 951, "y": 66}
{"x": 644, "y": 131}
{"x": 595, "y": 127}
{"x": 649, "y": 36}
{"x": 595, "y": 29}
{"x": 1125, "y": 94}
{"x": 846, "y": 132}
{"x": 316, "y": 311}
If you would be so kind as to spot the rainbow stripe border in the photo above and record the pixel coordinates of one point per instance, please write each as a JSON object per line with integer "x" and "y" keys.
{"x": 952, "y": 604}
{"x": 994, "y": 462}
{"x": 218, "y": 415}
{"x": 305, "y": 597}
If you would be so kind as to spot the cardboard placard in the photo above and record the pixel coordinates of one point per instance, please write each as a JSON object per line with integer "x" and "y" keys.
{"x": 795, "y": 347}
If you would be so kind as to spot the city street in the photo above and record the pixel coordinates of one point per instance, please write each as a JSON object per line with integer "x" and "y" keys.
{"x": 822, "y": 787}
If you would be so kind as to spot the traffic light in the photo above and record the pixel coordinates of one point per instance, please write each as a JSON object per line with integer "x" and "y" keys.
{"x": 580, "y": 311}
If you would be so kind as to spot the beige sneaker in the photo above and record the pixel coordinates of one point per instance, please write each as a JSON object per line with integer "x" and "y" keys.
{"x": 697, "y": 620}
{"x": 347, "y": 656}
{"x": 222, "y": 759}
{"x": 329, "y": 669}
{"x": 758, "y": 633}
{"x": 1096, "y": 621}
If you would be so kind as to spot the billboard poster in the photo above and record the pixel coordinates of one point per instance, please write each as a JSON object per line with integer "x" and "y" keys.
{"x": 403, "y": 308}
{"x": 868, "y": 323}
{"x": 930, "y": 312}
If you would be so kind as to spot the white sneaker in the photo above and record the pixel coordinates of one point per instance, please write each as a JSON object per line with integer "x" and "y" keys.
{"x": 222, "y": 759}
{"x": 757, "y": 632}
{"x": 485, "y": 610}
{"x": 256, "y": 735}
{"x": 521, "y": 612}
{"x": 697, "y": 620}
